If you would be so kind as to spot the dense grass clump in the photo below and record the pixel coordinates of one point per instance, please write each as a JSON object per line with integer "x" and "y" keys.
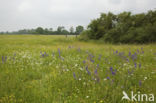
{"x": 55, "y": 69}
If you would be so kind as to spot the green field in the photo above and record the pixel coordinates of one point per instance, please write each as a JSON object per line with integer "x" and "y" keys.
{"x": 55, "y": 69}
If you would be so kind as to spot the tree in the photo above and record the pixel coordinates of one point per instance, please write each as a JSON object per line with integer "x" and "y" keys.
{"x": 71, "y": 30}
{"x": 79, "y": 29}
{"x": 60, "y": 29}
{"x": 39, "y": 30}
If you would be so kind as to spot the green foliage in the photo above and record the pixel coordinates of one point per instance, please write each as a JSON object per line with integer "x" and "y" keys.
{"x": 59, "y": 31}
{"x": 124, "y": 28}
{"x": 79, "y": 29}
{"x": 39, "y": 30}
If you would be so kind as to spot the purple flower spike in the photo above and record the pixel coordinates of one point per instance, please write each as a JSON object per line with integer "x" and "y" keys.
{"x": 111, "y": 68}
{"x": 59, "y": 52}
{"x": 2, "y": 59}
{"x": 129, "y": 53}
{"x": 138, "y": 50}
{"x": 95, "y": 71}
{"x": 140, "y": 83}
{"x": 84, "y": 62}
{"x": 97, "y": 65}
{"x": 74, "y": 75}
{"x": 135, "y": 65}
{"x": 87, "y": 70}
{"x": 116, "y": 51}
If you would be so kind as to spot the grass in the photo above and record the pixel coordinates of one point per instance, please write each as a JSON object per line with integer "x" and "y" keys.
{"x": 55, "y": 69}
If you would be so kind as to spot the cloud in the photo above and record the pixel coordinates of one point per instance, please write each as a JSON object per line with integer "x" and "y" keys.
{"x": 19, "y": 14}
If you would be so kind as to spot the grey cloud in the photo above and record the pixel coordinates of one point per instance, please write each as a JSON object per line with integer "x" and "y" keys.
{"x": 19, "y": 14}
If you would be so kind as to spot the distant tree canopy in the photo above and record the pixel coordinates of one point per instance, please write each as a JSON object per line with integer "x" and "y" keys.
{"x": 60, "y": 31}
{"x": 123, "y": 28}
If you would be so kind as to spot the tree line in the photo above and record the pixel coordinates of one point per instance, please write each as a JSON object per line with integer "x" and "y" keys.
{"x": 122, "y": 28}
{"x": 49, "y": 31}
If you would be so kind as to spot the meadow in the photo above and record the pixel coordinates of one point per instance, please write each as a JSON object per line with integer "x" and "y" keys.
{"x": 56, "y": 69}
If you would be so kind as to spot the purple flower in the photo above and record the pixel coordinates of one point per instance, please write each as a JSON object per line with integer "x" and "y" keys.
{"x": 74, "y": 75}
{"x": 116, "y": 51}
{"x": 69, "y": 47}
{"x": 97, "y": 65}
{"x": 113, "y": 73}
{"x": 108, "y": 78}
{"x": 135, "y": 65}
{"x": 59, "y": 52}
{"x": 111, "y": 68}
{"x": 140, "y": 83}
{"x": 92, "y": 60}
{"x": 138, "y": 50}
{"x": 129, "y": 54}
{"x": 3, "y": 59}
{"x": 84, "y": 62}
{"x": 87, "y": 70}
{"x": 42, "y": 55}
{"x": 95, "y": 72}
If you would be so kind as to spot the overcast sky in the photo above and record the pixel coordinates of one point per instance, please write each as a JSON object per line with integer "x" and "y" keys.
{"x": 20, "y": 14}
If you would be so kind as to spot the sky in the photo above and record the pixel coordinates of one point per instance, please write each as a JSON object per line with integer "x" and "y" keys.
{"x": 27, "y": 14}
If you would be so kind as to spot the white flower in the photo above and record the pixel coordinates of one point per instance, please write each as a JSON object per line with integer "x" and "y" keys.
{"x": 87, "y": 96}
{"x": 145, "y": 78}
{"x": 76, "y": 65}
{"x": 104, "y": 79}
{"x": 79, "y": 79}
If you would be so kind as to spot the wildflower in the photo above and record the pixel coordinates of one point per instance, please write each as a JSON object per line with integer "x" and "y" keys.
{"x": 59, "y": 52}
{"x": 104, "y": 79}
{"x": 2, "y": 59}
{"x": 138, "y": 50}
{"x": 92, "y": 60}
{"x": 116, "y": 51}
{"x": 69, "y": 47}
{"x": 129, "y": 53}
{"x": 79, "y": 79}
{"x": 95, "y": 72}
{"x": 111, "y": 69}
{"x": 113, "y": 73}
{"x": 135, "y": 65}
{"x": 74, "y": 75}
{"x": 108, "y": 78}
{"x": 145, "y": 78}
{"x": 84, "y": 62}
{"x": 140, "y": 83}
{"x": 97, "y": 65}
{"x": 87, "y": 70}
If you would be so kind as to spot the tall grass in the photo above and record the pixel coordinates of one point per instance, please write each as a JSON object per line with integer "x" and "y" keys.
{"x": 55, "y": 69}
